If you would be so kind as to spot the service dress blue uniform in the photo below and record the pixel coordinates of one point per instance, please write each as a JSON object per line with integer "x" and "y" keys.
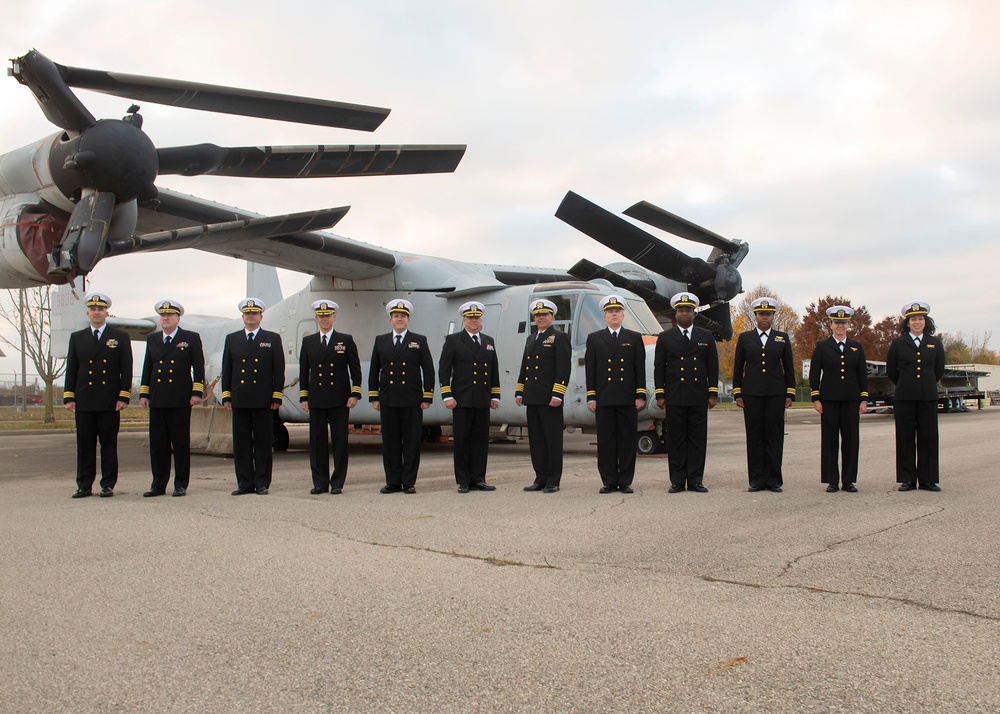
{"x": 544, "y": 374}
{"x": 329, "y": 375}
{"x": 171, "y": 375}
{"x": 469, "y": 373}
{"x": 686, "y": 375}
{"x": 916, "y": 371}
{"x": 838, "y": 379}
{"x": 616, "y": 377}
{"x": 98, "y": 376}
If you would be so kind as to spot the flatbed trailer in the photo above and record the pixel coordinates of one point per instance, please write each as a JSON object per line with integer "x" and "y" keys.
{"x": 956, "y": 388}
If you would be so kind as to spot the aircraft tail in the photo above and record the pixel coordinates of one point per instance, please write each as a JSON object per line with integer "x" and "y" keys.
{"x": 262, "y": 283}
{"x": 68, "y": 315}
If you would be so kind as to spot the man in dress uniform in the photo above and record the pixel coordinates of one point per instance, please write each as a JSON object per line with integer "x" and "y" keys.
{"x": 330, "y": 386}
{"x": 400, "y": 387}
{"x": 541, "y": 386}
{"x": 915, "y": 364}
{"x": 838, "y": 383}
{"x": 173, "y": 381}
{"x": 616, "y": 390}
{"x": 764, "y": 386}
{"x": 470, "y": 387}
{"x": 253, "y": 375}
{"x": 98, "y": 386}
{"x": 686, "y": 377}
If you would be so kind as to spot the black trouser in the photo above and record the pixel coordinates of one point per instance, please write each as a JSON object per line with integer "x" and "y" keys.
{"x": 319, "y": 446}
{"x": 471, "y": 429}
{"x": 170, "y": 432}
{"x": 545, "y": 440}
{"x": 253, "y": 441}
{"x": 840, "y": 423}
{"x": 916, "y": 441}
{"x": 91, "y": 427}
{"x": 401, "y": 430}
{"x": 687, "y": 442}
{"x": 617, "y": 427}
{"x": 764, "y": 418}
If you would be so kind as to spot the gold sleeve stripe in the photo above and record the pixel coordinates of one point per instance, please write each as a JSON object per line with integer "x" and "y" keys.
{"x": 125, "y": 394}
{"x": 275, "y": 395}
{"x": 143, "y": 389}
{"x": 710, "y": 390}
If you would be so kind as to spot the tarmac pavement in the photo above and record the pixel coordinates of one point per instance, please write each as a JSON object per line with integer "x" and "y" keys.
{"x": 505, "y": 601}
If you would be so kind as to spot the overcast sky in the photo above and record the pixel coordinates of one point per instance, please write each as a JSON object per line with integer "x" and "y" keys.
{"x": 854, "y": 145}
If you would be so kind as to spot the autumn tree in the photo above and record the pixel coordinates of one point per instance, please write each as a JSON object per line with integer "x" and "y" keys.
{"x": 727, "y": 349}
{"x": 34, "y": 319}
{"x": 883, "y": 333}
{"x": 960, "y": 348}
{"x": 815, "y": 327}
{"x": 785, "y": 318}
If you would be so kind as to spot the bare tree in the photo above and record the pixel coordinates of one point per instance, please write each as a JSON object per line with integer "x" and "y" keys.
{"x": 35, "y": 321}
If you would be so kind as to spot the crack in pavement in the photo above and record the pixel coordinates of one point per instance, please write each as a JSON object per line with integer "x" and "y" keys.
{"x": 826, "y": 591}
{"x": 830, "y": 546}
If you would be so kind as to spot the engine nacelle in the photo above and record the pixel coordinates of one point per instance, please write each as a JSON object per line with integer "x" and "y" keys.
{"x": 29, "y": 230}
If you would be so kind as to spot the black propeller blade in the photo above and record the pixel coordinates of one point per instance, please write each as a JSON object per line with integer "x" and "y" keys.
{"x": 308, "y": 161}
{"x": 632, "y": 242}
{"x": 45, "y": 80}
{"x": 215, "y": 233}
{"x": 667, "y": 221}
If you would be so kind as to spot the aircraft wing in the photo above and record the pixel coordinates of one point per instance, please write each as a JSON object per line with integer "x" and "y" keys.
{"x": 315, "y": 252}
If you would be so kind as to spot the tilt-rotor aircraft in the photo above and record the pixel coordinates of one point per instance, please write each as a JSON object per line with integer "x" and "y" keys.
{"x": 96, "y": 199}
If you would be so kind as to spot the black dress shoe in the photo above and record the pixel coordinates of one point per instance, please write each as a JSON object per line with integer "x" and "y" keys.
{"x": 930, "y": 487}
{"x": 774, "y": 489}
{"x": 608, "y": 489}
{"x": 336, "y": 491}
{"x": 80, "y": 493}
{"x": 154, "y": 494}
{"x": 755, "y": 489}
{"x": 317, "y": 491}
{"x": 675, "y": 488}
{"x": 626, "y": 489}
{"x": 907, "y": 486}
{"x": 390, "y": 489}
{"x": 462, "y": 488}
{"x": 482, "y": 486}
{"x": 550, "y": 489}
{"x": 241, "y": 492}
{"x": 409, "y": 489}
{"x": 850, "y": 488}
{"x": 180, "y": 491}
{"x": 107, "y": 493}
{"x": 534, "y": 487}
{"x": 698, "y": 488}
{"x": 832, "y": 488}
{"x": 262, "y": 491}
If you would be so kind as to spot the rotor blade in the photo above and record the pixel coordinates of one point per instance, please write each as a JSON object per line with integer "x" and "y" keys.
{"x": 227, "y": 100}
{"x": 46, "y": 81}
{"x": 83, "y": 241}
{"x": 632, "y": 242}
{"x": 308, "y": 161}
{"x": 665, "y": 220}
{"x": 217, "y": 233}
{"x": 587, "y": 270}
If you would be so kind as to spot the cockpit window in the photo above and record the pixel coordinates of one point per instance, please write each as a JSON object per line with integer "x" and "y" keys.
{"x": 592, "y": 317}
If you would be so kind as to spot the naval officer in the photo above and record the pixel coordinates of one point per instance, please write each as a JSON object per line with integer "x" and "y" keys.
{"x": 838, "y": 383}
{"x": 253, "y": 376}
{"x": 686, "y": 378}
{"x": 329, "y": 387}
{"x": 915, "y": 364}
{"x": 764, "y": 386}
{"x": 615, "y": 363}
{"x": 400, "y": 387}
{"x": 541, "y": 387}
{"x": 173, "y": 381}
{"x": 470, "y": 386}
{"x": 97, "y": 388}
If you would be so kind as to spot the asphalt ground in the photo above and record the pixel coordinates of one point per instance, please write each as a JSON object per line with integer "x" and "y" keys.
{"x": 505, "y": 601}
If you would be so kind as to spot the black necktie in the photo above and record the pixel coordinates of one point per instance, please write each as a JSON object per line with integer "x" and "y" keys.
{"x": 475, "y": 338}
{"x": 97, "y": 335}
{"x": 249, "y": 337}
{"x": 686, "y": 335}
{"x": 399, "y": 340}
{"x": 323, "y": 340}
{"x": 614, "y": 335}
{"x": 167, "y": 340}
{"x": 916, "y": 341}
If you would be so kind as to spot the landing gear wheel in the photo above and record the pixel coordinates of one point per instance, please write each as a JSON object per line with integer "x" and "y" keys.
{"x": 647, "y": 442}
